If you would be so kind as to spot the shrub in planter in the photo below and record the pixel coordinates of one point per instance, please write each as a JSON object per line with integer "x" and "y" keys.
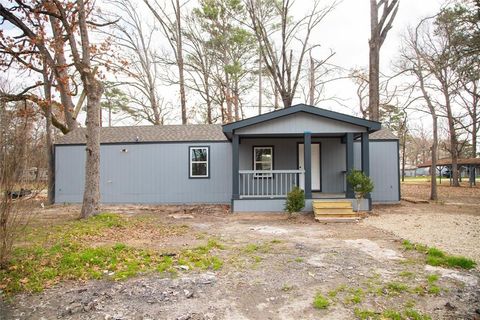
{"x": 361, "y": 183}
{"x": 295, "y": 200}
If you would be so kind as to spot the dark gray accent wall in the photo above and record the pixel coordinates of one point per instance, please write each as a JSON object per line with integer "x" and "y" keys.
{"x": 383, "y": 169}
{"x": 146, "y": 173}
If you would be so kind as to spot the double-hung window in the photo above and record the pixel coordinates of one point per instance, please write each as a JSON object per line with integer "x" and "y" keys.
{"x": 263, "y": 160}
{"x": 199, "y": 162}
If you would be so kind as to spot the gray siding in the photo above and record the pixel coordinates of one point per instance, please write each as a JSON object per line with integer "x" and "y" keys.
{"x": 384, "y": 169}
{"x": 299, "y": 123}
{"x": 285, "y": 156}
{"x": 147, "y": 173}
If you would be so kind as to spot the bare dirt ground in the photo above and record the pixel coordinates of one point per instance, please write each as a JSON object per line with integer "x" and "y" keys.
{"x": 451, "y": 224}
{"x": 274, "y": 266}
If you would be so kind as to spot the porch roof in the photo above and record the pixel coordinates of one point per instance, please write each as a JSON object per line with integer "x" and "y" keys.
{"x": 370, "y": 126}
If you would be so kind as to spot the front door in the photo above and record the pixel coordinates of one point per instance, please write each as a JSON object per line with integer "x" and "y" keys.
{"x": 316, "y": 176}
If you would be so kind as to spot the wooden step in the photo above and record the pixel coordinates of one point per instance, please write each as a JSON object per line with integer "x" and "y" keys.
{"x": 337, "y": 215}
{"x": 333, "y": 210}
{"x": 329, "y": 220}
{"x": 332, "y": 204}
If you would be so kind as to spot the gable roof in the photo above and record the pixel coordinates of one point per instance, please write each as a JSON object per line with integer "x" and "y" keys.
{"x": 164, "y": 133}
{"x": 370, "y": 125}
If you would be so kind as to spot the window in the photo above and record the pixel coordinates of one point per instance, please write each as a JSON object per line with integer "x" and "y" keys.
{"x": 263, "y": 160}
{"x": 199, "y": 167}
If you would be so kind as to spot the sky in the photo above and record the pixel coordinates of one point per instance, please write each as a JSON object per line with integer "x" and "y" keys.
{"x": 345, "y": 31}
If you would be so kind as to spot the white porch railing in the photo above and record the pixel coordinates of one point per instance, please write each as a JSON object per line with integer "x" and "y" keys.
{"x": 268, "y": 183}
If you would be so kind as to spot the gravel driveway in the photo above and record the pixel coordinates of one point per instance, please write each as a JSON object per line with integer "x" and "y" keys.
{"x": 439, "y": 226}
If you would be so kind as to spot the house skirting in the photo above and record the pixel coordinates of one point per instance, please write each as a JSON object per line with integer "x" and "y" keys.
{"x": 278, "y": 205}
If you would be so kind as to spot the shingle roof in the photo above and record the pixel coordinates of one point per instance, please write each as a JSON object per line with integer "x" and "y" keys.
{"x": 382, "y": 134}
{"x": 165, "y": 133}
{"x": 170, "y": 133}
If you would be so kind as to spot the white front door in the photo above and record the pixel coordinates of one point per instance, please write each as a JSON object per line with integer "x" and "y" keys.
{"x": 316, "y": 180}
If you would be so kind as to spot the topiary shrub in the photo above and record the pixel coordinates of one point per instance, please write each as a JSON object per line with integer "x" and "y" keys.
{"x": 295, "y": 200}
{"x": 361, "y": 184}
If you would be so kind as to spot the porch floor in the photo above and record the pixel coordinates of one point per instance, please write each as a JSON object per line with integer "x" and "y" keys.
{"x": 323, "y": 195}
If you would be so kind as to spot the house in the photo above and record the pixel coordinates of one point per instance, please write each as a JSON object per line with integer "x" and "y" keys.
{"x": 251, "y": 164}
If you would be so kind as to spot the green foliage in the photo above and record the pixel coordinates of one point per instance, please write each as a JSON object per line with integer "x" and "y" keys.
{"x": 415, "y": 315}
{"x": 295, "y": 200}
{"x": 407, "y": 314}
{"x": 396, "y": 287}
{"x": 436, "y": 257}
{"x": 364, "y": 314}
{"x": 116, "y": 101}
{"x": 361, "y": 183}
{"x": 320, "y": 301}
{"x": 355, "y": 296}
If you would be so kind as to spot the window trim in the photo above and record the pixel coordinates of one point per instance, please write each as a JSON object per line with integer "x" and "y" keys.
{"x": 190, "y": 162}
{"x": 270, "y": 176}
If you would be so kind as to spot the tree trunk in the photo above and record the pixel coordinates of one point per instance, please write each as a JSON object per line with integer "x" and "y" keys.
{"x": 275, "y": 93}
{"x": 453, "y": 137}
{"x": 433, "y": 167}
{"x": 374, "y": 64}
{"x": 404, "y": 147}
{"x": 64, "y": 81}
{"x": 91, "y": 195}
{"x": 260, "y": 84}
{"x": 228, "y": 98}
{"x": 311, "y": 81}
{"x": 208, "y": 100}
{"x": 373, "y": 88}
{"x": 236, "y": 100}
{"x": 47, "y": 89}
{"x": 183, "y": 100}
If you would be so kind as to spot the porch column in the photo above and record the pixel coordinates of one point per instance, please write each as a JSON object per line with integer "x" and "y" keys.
{"x": 366, "y": 162}
{"x": 349, "y": 162}
{"x": 235, "y": 166}
{"x": 307, "y": 156}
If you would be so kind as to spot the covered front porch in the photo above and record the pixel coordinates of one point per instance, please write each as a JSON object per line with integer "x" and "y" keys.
{"x": 296, "y": 147}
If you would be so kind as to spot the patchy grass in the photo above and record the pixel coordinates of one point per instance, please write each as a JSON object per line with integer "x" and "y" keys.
{"x": 396, "y": 287}
{"x": 407, "y": 314}
{"x": 320, "y": 301}
{"x": 436, "y": 257}
{"x": 286, "y": 287}
{"x": 407, "y": 274}
{"x": 333, "y": 293}
{"x": 365, "y": 314}
{"x": 65, "y": 254}
{"x": 355, "y": 296}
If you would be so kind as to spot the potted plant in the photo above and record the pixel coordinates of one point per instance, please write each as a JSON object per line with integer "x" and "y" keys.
{"x": 361, "y": 184}
{"x": 295, "y": 201}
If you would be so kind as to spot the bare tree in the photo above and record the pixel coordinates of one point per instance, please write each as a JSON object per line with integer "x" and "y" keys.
{"x": 284, "y": 66}
{"x": 414, "y": 63}
{"x": 171, "y": 26}
{"x": 70, "y": 22}
{"x": 199, "y": 65}
{"x": 136, "y": 62}
{"x": 379, "y": 29}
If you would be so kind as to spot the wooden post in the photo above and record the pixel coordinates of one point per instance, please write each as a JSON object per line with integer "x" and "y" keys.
{"x": 366, "y": 163}
{"x": 235, "y": 166}
{"x": 349, "y": 162}
{"x": 307, "y": 158}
